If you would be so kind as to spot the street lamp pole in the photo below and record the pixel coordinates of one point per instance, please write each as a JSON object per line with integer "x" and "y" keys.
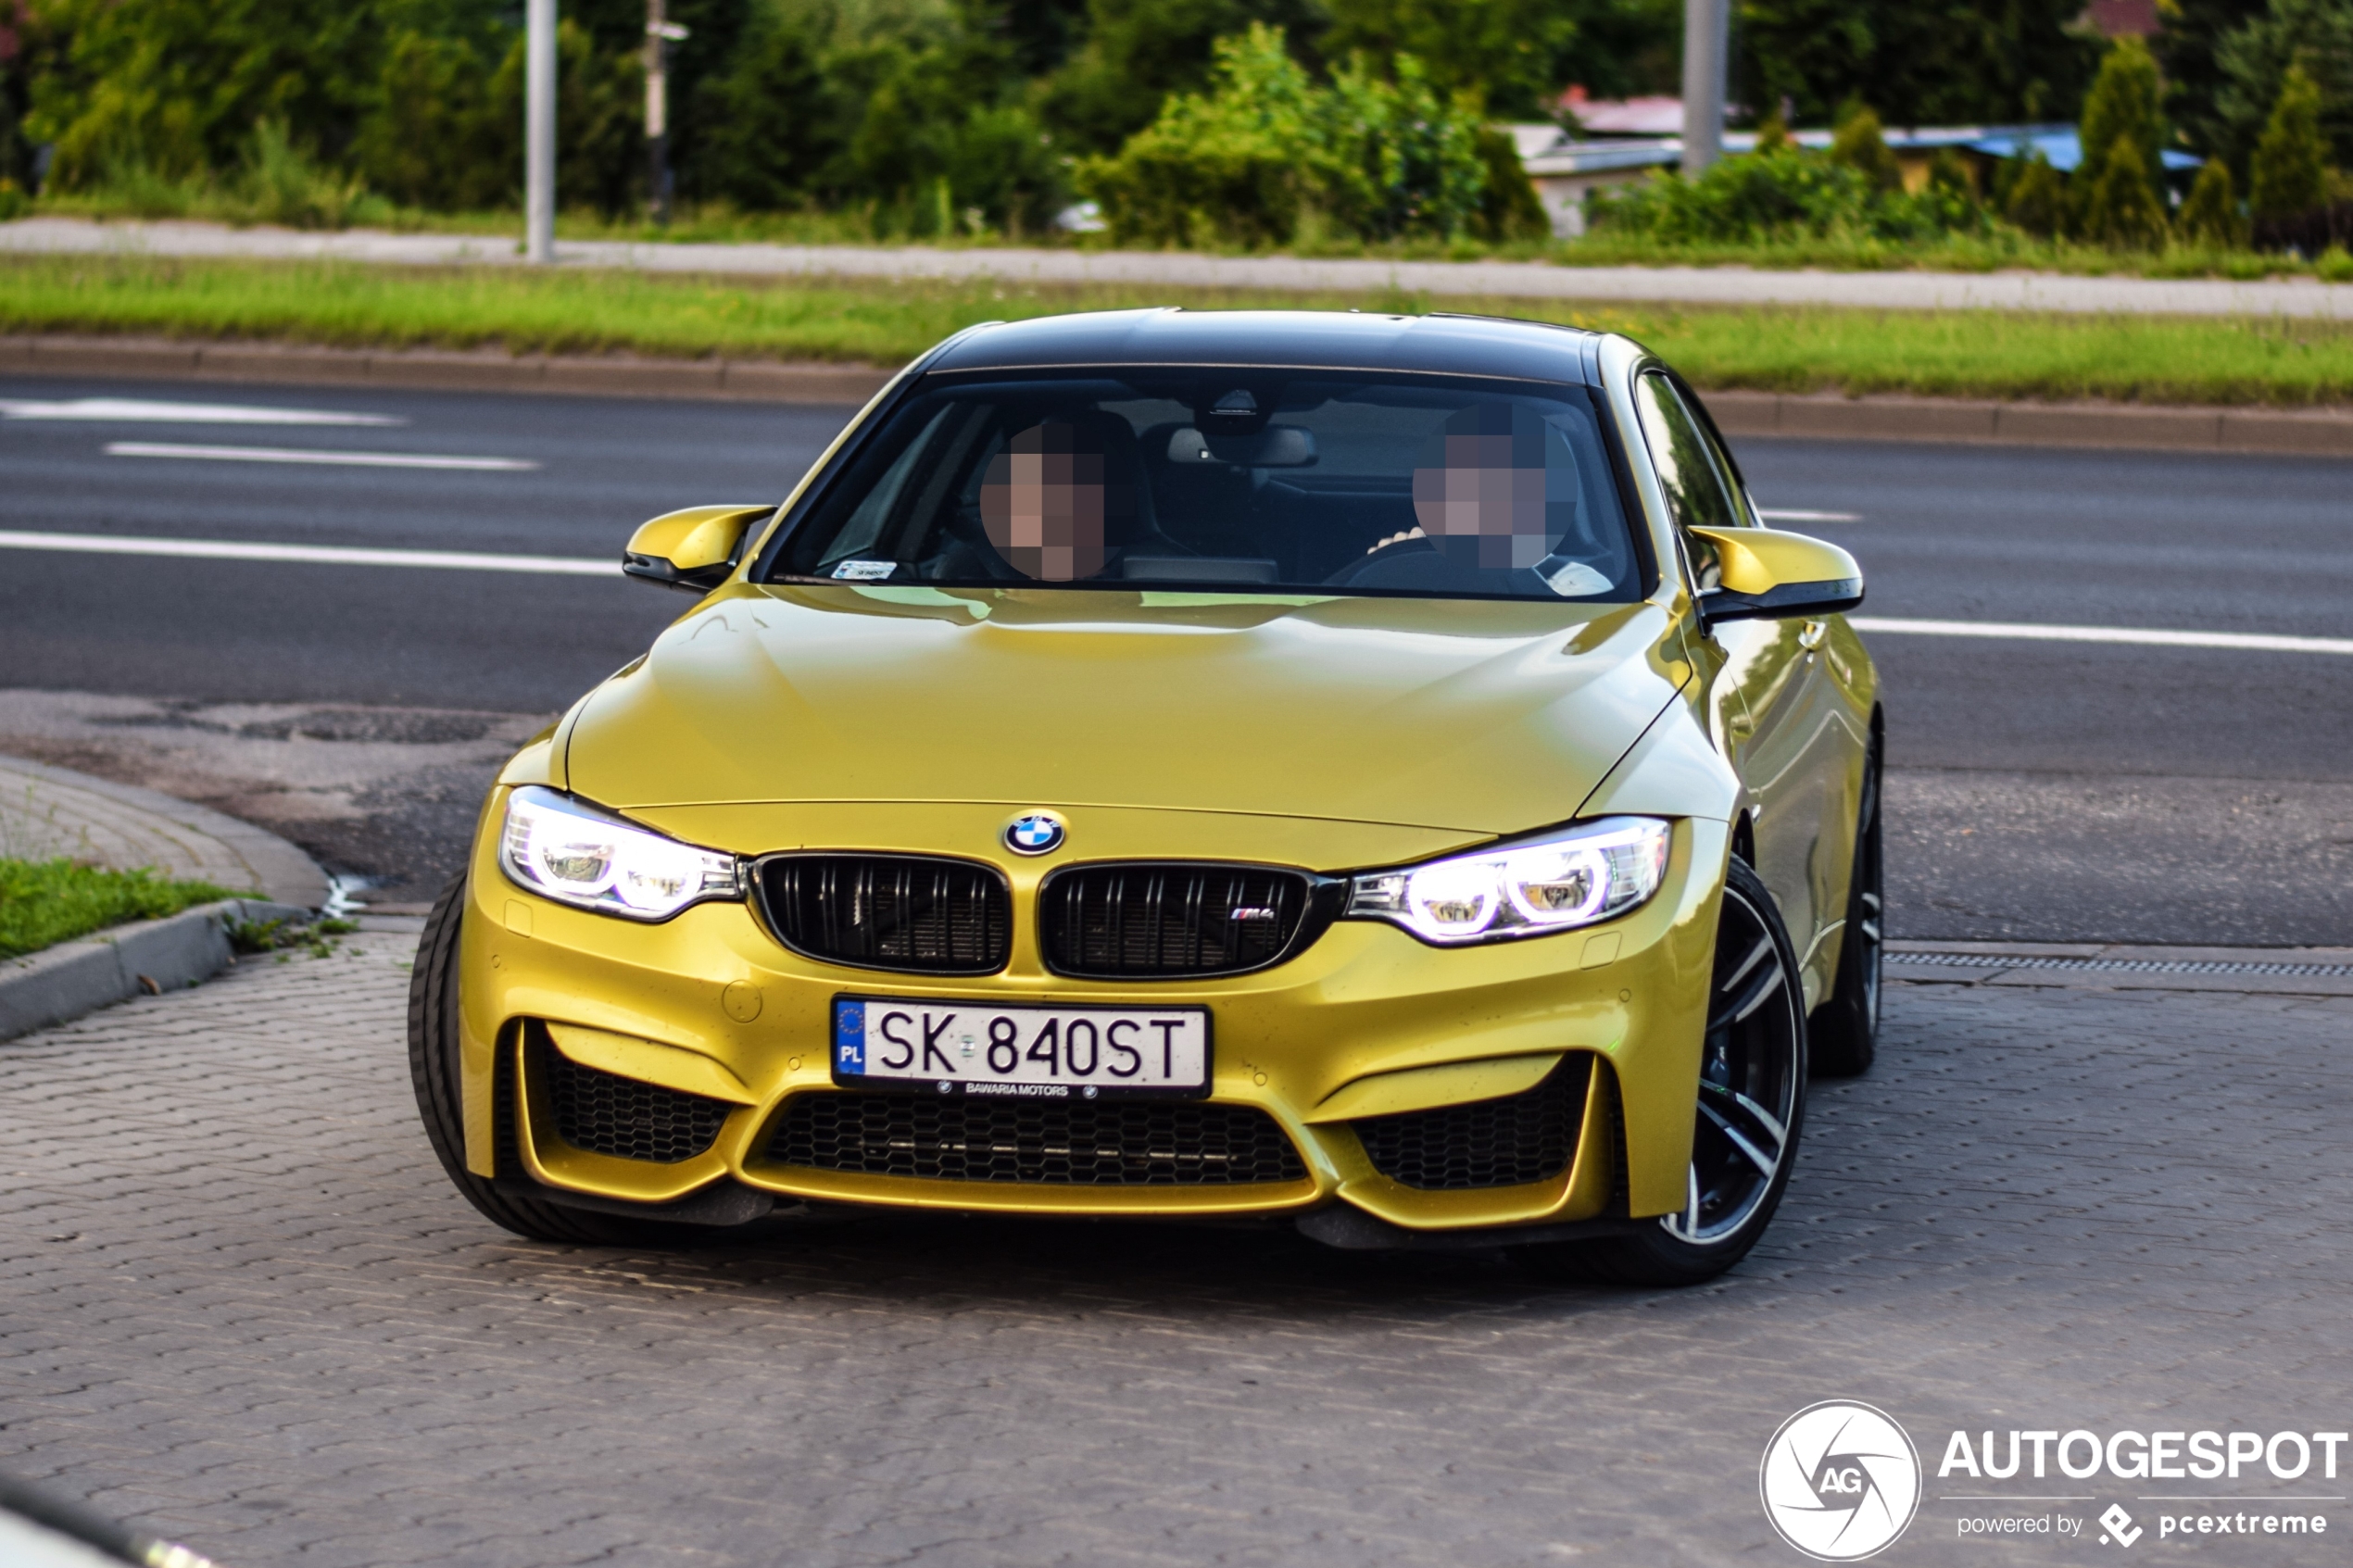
{"x": 539, "y": 131}
{"x": 661, "y": 33}
{"x": 1706, "y": 41}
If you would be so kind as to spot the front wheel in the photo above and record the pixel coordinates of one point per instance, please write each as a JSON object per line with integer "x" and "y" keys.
{"x": 1752, "y": 1106}
{"x": 432, "y": 1067}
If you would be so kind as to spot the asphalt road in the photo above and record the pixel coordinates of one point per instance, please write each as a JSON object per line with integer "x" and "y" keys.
{"x": 2044, "y": 791}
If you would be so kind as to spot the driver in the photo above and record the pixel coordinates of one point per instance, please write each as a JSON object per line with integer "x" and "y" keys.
{"x": 1481, "y": 490}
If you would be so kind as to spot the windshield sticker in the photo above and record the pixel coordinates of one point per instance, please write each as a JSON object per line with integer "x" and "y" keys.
{"x": 864, "y": 571}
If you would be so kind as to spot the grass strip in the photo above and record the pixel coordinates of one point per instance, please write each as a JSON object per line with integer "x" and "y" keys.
{"x": 1972, "y": 353}
{"x": 45, "y": 902}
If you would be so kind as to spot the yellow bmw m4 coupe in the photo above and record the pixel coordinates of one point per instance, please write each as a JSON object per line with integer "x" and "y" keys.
{"x": 1372, "y": 774}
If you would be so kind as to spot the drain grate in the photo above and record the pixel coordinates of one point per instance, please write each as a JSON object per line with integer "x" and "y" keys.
{"x": 2127, "y": 966}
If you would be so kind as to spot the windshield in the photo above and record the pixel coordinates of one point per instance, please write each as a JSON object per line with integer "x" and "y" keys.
{"x": 1248, "y": 480}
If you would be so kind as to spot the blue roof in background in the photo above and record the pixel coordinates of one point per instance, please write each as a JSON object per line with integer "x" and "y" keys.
{"x": 2057, "y": 144}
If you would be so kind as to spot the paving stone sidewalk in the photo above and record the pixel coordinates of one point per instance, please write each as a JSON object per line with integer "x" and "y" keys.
{"x": 239, "y": 1306}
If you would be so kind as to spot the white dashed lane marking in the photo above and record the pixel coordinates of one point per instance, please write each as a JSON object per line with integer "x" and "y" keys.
{"x": 140, "y": 410}
{"x": 322, "y": 555}
{"x": 299, "y": 454}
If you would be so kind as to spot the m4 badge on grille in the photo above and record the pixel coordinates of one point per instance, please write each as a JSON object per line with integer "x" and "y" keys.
{"x": 1253, "y": 911}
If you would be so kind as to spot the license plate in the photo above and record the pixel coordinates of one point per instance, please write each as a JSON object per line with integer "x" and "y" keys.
{"x": 1022, "y": 1052}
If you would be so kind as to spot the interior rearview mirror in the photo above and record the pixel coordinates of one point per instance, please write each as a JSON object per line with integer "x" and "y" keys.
{"x": 694, "y": 548}
{"x": 1276, "y": 446}
{"x": 1763, "y": 574}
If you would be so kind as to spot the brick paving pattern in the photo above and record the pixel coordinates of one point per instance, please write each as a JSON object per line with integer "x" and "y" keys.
{"x": 240, "y": 1307}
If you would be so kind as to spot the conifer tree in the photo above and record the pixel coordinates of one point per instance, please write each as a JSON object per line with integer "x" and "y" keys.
{"x": 2122, "y": 210}
{"x": 1860, "y": 146}
{"x": 2121, "y": 108}
{"x": 2290, "y": 167}
{"x": 2038, "y": 199}
{"x": 2211, "y": 215}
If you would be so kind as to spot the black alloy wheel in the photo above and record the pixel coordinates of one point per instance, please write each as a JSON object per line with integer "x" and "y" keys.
{"x": 433, "y": 1069}
{"x": 1751, "y": 1110}
{"x": 1845, "y": 1029}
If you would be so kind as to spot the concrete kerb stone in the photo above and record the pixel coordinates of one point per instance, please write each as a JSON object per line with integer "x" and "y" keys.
{"x": 60, "y": 984}
{"x": 2319, "y": 434}
{"x": 2302, "y": 433}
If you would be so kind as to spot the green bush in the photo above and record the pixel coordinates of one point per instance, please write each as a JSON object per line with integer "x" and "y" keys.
{"x": 14, "y": 203}
{"x": 2038, "y": 199}
{"x": 2290, "y": 169}
{"x": 1269, "y": 154}
{"x": 2211, "y": 216}
{"x": 1509, "y": 209}
{"x": 1789, "y": 195}
{"x": 281, "y": 184}
{"x": 1861, "y": 145}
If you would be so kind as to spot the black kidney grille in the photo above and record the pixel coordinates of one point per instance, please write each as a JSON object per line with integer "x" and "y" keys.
{"x": 1170, "y": 920}
{"x": 605, "y": 1114}
{"x": 888, "y": 912}
{"x": 1529, "y": 1136}
{"x": 1072, "y": 1143}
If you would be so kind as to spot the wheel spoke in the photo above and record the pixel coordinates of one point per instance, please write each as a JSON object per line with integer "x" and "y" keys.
{"x": 1757, "y": 1113}
{"x": 1764, "y": 1162}
{"x": 1763, "y": 949}
{"x": 1759, "y": 991}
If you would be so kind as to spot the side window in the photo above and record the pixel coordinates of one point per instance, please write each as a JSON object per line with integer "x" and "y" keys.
{"x": 1678, "y": 449}
{"x": 1743, "y": 505}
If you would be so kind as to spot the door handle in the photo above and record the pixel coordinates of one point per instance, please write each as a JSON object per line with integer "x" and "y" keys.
{"x": 1810, "y": 635}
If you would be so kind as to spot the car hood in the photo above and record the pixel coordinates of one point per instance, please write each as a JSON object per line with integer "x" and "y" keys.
{"x": 1477, "y": 717}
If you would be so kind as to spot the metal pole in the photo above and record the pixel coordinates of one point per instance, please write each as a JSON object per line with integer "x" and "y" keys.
{"x": 659, "y": 33}
{"x": 1707, "y": 33}
{"x": 539, "y": 131}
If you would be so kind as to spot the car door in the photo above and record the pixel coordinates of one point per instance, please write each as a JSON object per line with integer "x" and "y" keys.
{"x": 1779, "y": 710}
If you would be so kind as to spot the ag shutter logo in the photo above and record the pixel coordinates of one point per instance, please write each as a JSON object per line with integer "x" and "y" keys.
{"x": 1839, "y": 1481}
{"x": 1033, "y": 832}
{"x": 2117, "y": 1526}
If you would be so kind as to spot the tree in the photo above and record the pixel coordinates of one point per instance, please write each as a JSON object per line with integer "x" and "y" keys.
{"x": 2120, "y": 209}
{"x": 177, "y": 86}
{"x": 2121, "y": 110}
{"x": 2211, "y": 215}
{"x": 1503, "y": 51}
{"x": 2314, "y": 36}
{"x": 2290, "y": 174}
{"x": 1140, "y": 52}
{"x": 2038, "y": 199}
{"x": 1861, "y": 148}
{"x": 2189, "y": 49}
{"x": 1928, "y": 62}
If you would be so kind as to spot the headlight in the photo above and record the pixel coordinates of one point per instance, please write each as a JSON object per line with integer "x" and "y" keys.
{"x": 578, "y": 855}
{"x": 1579, "y": 876}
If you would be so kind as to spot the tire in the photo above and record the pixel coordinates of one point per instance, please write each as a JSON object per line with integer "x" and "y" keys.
{"x": 432, "y": 1067}
{"x": 1750, "y": 1115}
{"x": 1845, "y": 1029}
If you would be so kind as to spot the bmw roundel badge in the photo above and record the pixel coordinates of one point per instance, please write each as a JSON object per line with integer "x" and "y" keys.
{"x": 1033, "y": 832}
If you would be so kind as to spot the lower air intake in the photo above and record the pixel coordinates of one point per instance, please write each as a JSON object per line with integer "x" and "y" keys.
{"x": 1104, "y": 1143}
{"x": 604, "y": 1113}
{"x": 1529, "y": 1136}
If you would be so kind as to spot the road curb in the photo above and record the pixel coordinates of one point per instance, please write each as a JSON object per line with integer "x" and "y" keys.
{"x": 716, "y": 380}
{"x": 60, "y": 984}
{"x": 1987, "y": 421}
{"x": 281, "y": 873}
{"x": 2323, "y": 432}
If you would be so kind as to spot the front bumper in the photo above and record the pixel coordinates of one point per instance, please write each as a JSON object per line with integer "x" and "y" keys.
{"x": 1366, "y": 1022}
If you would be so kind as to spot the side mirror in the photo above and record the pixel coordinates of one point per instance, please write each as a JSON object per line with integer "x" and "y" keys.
{"x": 1763, "y": 574}
{"x": 694, "y": 549}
